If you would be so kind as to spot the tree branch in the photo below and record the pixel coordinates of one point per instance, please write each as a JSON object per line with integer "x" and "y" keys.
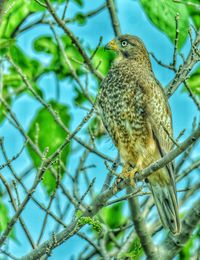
{"x": 113, "y": 16}
{"x": 102, "y": 199}
{"x": 141, "y": 228}
{"x": 173, "y": 244}
{"x": 170, "y": 156}
{"x": 185, "y": 69}
{"x": 2, "y": 3}
{"x": 74, "y": 40}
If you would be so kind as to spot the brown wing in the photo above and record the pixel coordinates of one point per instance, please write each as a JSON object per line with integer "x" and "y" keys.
{"x": 160, "y": 121}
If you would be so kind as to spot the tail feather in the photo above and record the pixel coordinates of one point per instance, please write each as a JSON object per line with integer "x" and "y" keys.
{"x": 166, "y": 202}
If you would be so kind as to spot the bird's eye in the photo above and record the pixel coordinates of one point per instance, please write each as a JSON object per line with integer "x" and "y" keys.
{"x": 124, "y": 43}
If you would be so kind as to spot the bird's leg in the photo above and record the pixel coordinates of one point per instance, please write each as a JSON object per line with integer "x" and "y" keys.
{"x": 128, "y": 173}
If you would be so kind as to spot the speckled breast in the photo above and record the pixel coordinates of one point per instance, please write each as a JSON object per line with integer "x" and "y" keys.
{"x": 122, "y": 105}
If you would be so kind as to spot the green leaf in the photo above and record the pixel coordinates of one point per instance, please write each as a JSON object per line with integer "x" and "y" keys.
{"x": 189, "y": 248}
{"x": 80, "y": 18}
{"x": 45, "y": 44}
{"x": 7, "y": 97}
{"x": 5, "y": 44}
{"x": 58, "y": 64}
{"x": 194, "y": 81}
{"x": 2, "y": 117}
{"x": 12, "y": 80}
{"x": 47, "y": 133}
{"x": 134, "y": 252}
{"x": 103, "y": 59}
{"x": 30, "y": 67}
{"x": 162, "y": 14}
{"x": 4, "y": 217}
{"x": 34, "y": 6}
{"x": 195, "y": 17}
{"x": 194, "y": 11}
{"x": 79, "y": 2}
{"x": 57, "y": 1}
{"x": 113, "y": 216}
{"x": 16, "y": 12}
{"x": 79, "y": 98}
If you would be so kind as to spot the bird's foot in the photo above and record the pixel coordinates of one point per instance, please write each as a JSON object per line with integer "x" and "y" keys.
{"x": 127, "y": 174}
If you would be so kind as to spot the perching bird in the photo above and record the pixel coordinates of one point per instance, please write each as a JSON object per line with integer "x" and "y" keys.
{"x": 137, "y": 116}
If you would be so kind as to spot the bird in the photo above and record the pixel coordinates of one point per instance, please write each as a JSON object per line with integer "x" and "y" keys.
{"x": 137, "y": 116}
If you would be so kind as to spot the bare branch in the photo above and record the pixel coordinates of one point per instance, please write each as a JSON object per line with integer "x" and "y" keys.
{"x": 173, "y": 244}
{"x": 194, "y": 98}
{"x": 26, "y": 231}
{"x": 170, "y": 156}
{"x": 185, "y": 69}
{"x": 113, "y": 16}
{"x": 25, "y": 201}
{"x": 176, "y": 42}
{"x": 141, "y": 229}
{"x": 74, "y": 40}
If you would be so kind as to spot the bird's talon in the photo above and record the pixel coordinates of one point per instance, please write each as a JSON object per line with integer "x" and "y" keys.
{"x": 128, "y": 174}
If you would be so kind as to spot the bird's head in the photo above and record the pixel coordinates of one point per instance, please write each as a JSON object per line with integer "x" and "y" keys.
{"x": 127, "y": 46}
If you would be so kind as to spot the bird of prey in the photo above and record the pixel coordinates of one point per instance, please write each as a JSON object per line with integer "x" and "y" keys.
{"x": 137, "y": 116}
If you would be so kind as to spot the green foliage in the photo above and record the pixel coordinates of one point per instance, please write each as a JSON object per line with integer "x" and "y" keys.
{"x": 2, "y": 109}
{"x": 15, "y": 14}
{"x": 58, "y": 64}
{"x": 57, "y": 1}
{"x": 96, "y": 127}
{"x": 80, "y": 18}
{"x": 162, "y": 14}
{"x": 12, "y": 81}
{"x": 30, "y": 67}
{"x": 5, "y": 44}
{"x": 194, "y": 82}
{"x": 134, "y": 252}
{"x": 113, "y": 216}
{"x": 103, "y": 59}
{"x": 79, "y": 2}
{"x": 45, "y": 44}
{"x": 194, "y": 12}
{"x": 79, "y": 213}
{"x": 190, "y": 247}
{"x": 4, "y": 217}
{"x": 47, "y": 133}
{"x": 5, "y": 94}
{"x": 96, "y": 225}
{"x": 79, "y": 98}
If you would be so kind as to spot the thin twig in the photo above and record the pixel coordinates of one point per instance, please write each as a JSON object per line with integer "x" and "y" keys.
{"x": 113, "y": 16}
{"x": 74, "y": 40}
{"x": 176, "y": 41}
{"x": 194, "y": 98}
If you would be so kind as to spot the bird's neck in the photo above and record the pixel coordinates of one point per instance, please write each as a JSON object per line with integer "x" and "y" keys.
{"x": 137, "y": 59}
{"x": 139, "y": 63}
{"x": 143, "y": 59}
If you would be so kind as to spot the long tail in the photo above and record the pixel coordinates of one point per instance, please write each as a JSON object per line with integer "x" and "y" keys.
{"x": 166, "y": 202}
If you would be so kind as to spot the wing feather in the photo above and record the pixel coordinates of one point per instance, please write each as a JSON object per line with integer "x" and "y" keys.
{"x": 161, "y": 126}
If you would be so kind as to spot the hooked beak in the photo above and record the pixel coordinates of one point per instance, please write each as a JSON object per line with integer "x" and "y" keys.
{"x": 111, "y": 46}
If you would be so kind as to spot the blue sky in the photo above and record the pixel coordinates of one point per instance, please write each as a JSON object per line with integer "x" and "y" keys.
{"x": 133, "y": 21}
